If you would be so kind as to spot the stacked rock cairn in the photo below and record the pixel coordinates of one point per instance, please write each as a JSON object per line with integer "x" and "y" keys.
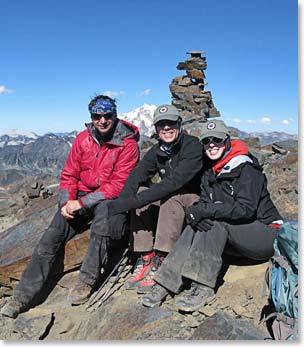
{"x": 188, "y": 93}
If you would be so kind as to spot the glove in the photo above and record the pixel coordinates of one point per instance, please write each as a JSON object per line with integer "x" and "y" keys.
{"x": 117, "y": 226}
{"x": 194, "y": 215}
{"x": 120, "y": 205}
{"x": 204, "y": 225}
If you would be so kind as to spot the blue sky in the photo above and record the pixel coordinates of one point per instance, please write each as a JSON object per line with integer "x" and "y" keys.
{"x": 56, "y": 55}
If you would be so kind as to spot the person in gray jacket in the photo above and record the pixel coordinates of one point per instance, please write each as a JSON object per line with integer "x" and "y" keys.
{"x": 234, "y": 211}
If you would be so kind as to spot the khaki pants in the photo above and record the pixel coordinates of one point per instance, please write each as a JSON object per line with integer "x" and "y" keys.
{"x": 158, "y": 225}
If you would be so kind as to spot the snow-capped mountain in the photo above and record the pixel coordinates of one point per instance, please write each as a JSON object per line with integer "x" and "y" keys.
{"x": 17, "y": 137}
{"x": 142, "y": 117}
{"x": 25, "y": 154}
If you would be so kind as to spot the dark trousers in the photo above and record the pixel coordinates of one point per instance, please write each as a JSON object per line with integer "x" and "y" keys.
{"x": 198, "y": 255}
{"x": 60, "y": 231}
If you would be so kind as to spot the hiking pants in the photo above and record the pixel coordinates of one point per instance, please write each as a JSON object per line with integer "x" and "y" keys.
{"x": 158, "y": 225}
{"x": 198, "y": 255}
{"x": 60, "y": 231}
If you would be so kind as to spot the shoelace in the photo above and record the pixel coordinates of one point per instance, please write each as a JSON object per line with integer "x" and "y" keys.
{"x": 139, "y": 265}
{"x": 157, "y": 263}
{"x": 194, "y": 291}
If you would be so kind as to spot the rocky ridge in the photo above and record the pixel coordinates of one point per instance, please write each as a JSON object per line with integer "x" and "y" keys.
{"x": 122, "y": 316}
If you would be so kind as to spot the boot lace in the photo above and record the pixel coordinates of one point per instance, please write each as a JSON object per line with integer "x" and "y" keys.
{"x": 194, "y": 291}
{"x": 139, "y": 264}
{"x": 157, "y": 261}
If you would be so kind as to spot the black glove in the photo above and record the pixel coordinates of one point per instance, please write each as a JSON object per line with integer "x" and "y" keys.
{"x": 120, "y": 205}
{"x": 205, "y": 225}
{"x": 194, "y": 215}
{"x": 117, "y": 226}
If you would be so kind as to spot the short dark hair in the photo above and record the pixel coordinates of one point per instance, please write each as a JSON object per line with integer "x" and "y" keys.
{"x": 98, "y": 97}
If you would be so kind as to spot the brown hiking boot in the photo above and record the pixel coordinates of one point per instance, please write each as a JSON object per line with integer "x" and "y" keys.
{"x": 80, "y": 293}
{"x": 198, "y": 296}
{"x": 156, "y": 296}
{"x": 12, "y": 308}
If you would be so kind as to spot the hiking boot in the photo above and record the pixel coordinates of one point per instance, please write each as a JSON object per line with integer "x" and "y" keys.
{"x": 197, "y": 297}
{"x": 156, "y": 296}
{"x": 12, "y": 308}
{"x": 80, "y": 293}
{"x": 148, "y": 282}
{"x": 143, "y": 265}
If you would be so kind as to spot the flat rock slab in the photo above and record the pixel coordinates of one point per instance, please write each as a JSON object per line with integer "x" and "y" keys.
{"x": 232, "y": 316}
{"x": 222, "y": 326}
{"x": 33, "y": 328}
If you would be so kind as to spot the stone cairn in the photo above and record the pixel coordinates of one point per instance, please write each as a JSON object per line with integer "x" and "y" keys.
{"x": 188, "y": 93}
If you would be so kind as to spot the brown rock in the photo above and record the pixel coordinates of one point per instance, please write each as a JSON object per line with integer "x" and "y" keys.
{"x": 196, "y": 74}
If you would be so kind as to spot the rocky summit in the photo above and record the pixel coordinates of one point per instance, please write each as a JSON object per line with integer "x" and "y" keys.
{"x": 122, "y": 316}
{"x": 30, "y": 166}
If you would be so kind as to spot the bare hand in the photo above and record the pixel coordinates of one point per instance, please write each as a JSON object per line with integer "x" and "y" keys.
{"x": 73, "y": 206}
{"x": 65, "y": 214}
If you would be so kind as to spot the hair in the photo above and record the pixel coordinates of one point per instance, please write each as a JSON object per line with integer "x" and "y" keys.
{"x": 98, "y": 97}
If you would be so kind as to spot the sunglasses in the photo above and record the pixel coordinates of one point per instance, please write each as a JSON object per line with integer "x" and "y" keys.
{"x": 163, "y": 123}
{"x": 215, "y": 140}
{"x": 98, "y": 116}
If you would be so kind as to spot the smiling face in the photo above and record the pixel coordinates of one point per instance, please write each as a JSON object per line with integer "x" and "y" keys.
{"x": 103, "y": 122}
{"x": 168, "y": 130}
{"x": 214, "y": 152}
{"x": 214, "y": 147}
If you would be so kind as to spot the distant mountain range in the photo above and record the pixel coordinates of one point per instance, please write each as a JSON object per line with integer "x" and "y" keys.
{"x": 142, "y": 117}
{"x": 36, "y": 156}
{"x": 267, "y": 137}
{"x": 16, "y": 137}
{"x": 28, "y": 154}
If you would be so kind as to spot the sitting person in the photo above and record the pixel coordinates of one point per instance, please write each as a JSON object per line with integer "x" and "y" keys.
{"x": 235, "y": 210}
{"x": 155, "y": 227}
{"x": 99, "y": 162}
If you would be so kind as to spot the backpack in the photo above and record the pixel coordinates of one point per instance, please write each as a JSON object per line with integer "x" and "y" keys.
{"x": 282, "y": 280}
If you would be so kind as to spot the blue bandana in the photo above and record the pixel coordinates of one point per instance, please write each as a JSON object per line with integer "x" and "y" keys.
{"x": 103, "y": 105}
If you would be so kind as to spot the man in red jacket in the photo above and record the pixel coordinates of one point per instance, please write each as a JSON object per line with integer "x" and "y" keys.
{"x": 100, "y": 160}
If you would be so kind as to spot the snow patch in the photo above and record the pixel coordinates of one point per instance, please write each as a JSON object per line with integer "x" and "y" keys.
{"x": 142, "y": 117}
{"x": 20, "y": 133}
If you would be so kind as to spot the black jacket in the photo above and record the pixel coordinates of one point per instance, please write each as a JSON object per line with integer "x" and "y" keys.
{"x": 179, "y": 171}
{"x": 238, "y": 194}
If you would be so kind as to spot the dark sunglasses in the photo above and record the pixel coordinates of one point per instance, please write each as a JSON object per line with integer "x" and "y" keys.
{"x": 98, "y": 116}
{"x": 170, "y": 123}
{"x": 215, "y": 140}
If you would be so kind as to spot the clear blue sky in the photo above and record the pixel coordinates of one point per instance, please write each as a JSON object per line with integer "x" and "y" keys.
{"x": 55, "y": 55}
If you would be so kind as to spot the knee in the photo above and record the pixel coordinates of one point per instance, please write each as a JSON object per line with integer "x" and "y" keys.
{"x": 172, "y": 207}
{"x": 51, "y": 241}
{"x": 99, "y": 226}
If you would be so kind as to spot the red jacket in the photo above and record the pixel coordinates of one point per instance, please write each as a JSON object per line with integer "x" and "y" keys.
{"x": 99, "y": 170}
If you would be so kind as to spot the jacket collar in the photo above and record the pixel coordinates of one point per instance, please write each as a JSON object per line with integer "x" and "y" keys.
{"x": 237, "y": 148}
{"x": 122, "y": 130}
{"x": 175, "y": 147}
{"x": 234, "y": 163}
